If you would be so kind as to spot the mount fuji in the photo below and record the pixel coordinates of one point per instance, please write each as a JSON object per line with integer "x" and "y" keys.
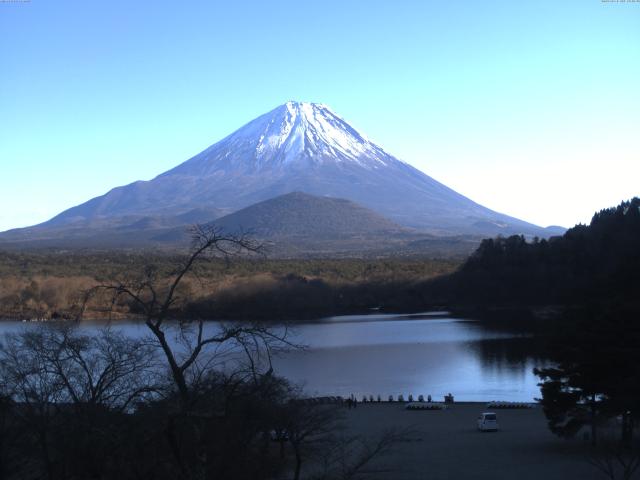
{"x": 297, "y": 147}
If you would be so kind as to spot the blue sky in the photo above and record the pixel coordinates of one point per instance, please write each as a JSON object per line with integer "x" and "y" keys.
{"x": 531, "y": 108}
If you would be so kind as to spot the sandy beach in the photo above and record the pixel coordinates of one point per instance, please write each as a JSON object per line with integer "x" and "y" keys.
{"x": 447, "y": 445}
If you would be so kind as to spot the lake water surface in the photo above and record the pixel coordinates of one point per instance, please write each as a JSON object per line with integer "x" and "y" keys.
{"x": 389, "y": 354}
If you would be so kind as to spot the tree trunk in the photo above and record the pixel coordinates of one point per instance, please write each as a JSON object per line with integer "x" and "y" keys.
{"x": 593, "y": 421}
{"x": 174, "y": 446}
{"x": 200, "y": 467}
{"x": 296, "y": 475}
{"x": 45, "y": 454}
{"x": 176, "y": 371}
{"x": 627, "y": 429}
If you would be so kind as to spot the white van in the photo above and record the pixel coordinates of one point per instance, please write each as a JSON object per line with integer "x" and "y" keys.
{"x": 488, "y": 422}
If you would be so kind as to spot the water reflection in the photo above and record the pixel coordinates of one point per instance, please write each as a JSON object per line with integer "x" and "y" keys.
{"x": 512, "y": 352}
{"x": 417, "y": 355}
{"x": 399, "y": 354}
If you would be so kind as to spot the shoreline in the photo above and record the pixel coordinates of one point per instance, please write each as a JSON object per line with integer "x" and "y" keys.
{"x": 373, "y": 316}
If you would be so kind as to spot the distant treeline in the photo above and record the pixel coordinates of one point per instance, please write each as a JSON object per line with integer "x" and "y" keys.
{"x": 113, "y": 263}
{"x": 595, "y": 263}
{"x": 52, "y": 284}
{"x": 294, "y": 297}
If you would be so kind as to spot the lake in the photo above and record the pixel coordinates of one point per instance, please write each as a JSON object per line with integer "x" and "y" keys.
{"x": 386, "y": 354}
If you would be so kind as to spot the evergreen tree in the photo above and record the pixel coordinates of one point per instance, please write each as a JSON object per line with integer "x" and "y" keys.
{"x": 597, "y": 375}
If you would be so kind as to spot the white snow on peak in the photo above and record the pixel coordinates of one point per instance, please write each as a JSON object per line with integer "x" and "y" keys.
{"x": 299, "y": 131}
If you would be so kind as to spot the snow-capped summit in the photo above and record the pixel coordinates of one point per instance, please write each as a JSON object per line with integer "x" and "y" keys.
{"x": 293, "y": 135}
{"x": 299, "y": 129}
{"x": 303, "y": 147}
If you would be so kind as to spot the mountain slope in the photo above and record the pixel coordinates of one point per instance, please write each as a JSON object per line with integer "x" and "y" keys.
{"x": 299, "y": 224}
{"x": 291, "y": 225}
{"x": 301, "y": 147}
{"x": 300, "y": 214}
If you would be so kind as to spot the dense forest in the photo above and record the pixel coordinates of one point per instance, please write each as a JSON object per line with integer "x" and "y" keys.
{"x": 596, "y": 263}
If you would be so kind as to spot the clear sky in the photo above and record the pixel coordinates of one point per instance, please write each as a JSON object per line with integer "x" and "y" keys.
{"x": 531, "y": 108}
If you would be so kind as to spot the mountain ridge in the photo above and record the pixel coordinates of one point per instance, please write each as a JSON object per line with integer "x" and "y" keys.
{"x": 297, "y": 146}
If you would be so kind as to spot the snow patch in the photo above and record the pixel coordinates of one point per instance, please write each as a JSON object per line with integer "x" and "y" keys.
{"x": 311, "y": 132}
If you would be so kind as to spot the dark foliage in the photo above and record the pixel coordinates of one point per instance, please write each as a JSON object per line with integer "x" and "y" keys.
{"x": 294, "y": 297}
{"x": 597, "y": 375}
{"x": 599, "y": 262}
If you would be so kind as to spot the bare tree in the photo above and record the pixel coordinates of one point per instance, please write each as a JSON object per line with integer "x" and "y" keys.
{"x": 352, "y": 457}
{"x": 614, "y": 458}
{"x": 308, "y": 428}
{"x": 57, "y": 364}
{"x": 10, "y": 438}
{"x": 64, "y": 381}
{"x": 198, "y": 346}
{"x": 27, "y": 381}
{"x": 318, "y": 438}
{"x": 155, "y": 301}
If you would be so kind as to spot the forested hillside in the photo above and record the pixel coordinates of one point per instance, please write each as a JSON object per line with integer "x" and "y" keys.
{"x": 596, "y": 262}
